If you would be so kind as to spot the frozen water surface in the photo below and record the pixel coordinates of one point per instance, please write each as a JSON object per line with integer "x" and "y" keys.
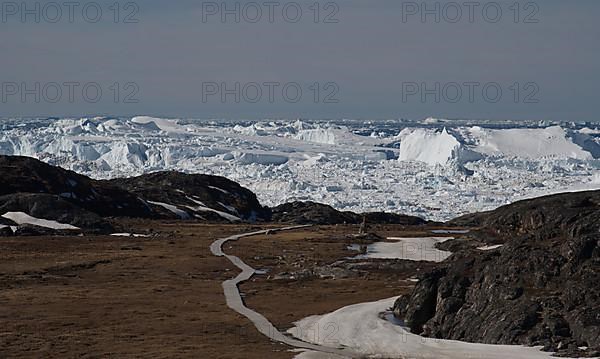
{"x": 435, "y": 169}
{"x": 413, "y": 249}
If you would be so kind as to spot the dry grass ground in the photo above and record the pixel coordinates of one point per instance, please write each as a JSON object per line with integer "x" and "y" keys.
{"x": 161, "y": 296}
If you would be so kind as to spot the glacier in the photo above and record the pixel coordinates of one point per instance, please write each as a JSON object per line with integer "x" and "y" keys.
{"x": 435, "y": 169}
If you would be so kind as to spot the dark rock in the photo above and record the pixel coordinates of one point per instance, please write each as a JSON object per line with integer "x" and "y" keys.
{"x": 128, "y": 197}
{"x": 131, "y": 248}
{"x": 48, "y": 192}
{"x": 546, "y": 215}
{"x": 6, "y": 232}
{"x": 393, "y": 218}
{"x": 28, "y": 175}
{"x": 318, "y": 213}
{"x": 32, "y": 230}
{"x": 422, "y": 306}
{"x": 459, "y": 244}
{"x": 203, "y": 197}
{"x": 5, "y": 227}
{"x": 541, "y": 288}
{"x": 6, "y": 222}
{"x": 400, "y": 306}
{"x": 51, "y": 207}
{"x": 189, "y": 191}
{"x": 311, "y": 213}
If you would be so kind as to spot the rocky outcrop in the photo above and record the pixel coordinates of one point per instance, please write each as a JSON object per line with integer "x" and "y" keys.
{"x": 194, "y": 193}
{"x": 28, "y": 175}
{"x": 48, "y": 192}
{"x": 392, "y": 218}
{"x": 318, "y": 213}
{"x": 551, "y": 213}
{"x": 539, "y": 288}
{"x": 310, "y": 213}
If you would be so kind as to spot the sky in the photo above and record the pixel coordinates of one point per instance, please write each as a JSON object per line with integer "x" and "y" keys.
{"x": 374, "y": 59}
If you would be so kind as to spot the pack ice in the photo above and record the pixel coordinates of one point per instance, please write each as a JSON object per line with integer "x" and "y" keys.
{"x": 435, "y": 169}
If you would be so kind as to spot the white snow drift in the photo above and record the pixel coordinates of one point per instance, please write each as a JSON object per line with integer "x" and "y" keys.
{"x": 24, "y": 218}
{"x": 360, "y": 328}
{"x": 172, "y": 208}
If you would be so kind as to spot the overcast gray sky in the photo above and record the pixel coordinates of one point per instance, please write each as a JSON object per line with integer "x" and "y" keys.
{"x": 368, "y": 59}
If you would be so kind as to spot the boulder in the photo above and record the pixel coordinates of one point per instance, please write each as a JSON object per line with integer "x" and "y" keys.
{"x": 6, "y": 231}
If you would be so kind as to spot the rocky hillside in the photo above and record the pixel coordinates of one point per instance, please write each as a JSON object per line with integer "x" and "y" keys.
{"x": 28, "y": 175}
{"x": 31, "y": 188}
{"x": 196, "y": 195}
{"x": 554, "y": 213}
{"x": 52, "y": 207}
{"x": 539, "y": 288}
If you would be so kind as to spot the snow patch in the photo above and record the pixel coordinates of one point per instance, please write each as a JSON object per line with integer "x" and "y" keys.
{"x": 128, "y": 235}
{"x": 202, "y": 207}
{"x": 24, "y": 218}
{"x": 181, "y": 213}
{"x": 489, "y": 248}
{"x": 219, "y": 189}
{"x": 360, "y": 328}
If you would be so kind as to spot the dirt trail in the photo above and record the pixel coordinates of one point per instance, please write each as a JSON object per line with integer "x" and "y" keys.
{"x": 235, "y": 302}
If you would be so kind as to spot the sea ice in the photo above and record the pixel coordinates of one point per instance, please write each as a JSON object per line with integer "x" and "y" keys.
{"x": 437, "y": 169}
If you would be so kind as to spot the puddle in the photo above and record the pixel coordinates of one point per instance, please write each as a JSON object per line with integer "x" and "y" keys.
{"x": 389, "y": 317}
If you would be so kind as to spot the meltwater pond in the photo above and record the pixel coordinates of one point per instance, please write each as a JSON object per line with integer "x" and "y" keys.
{"x": 412, "y": 249}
